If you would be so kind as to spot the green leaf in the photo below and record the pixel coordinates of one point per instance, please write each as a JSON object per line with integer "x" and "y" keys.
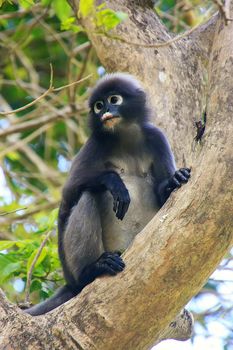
{"x": 26, "y": 3}
{"x": 108, "y": 19}
{"x": 62, "y": 9}
{"x": 9, "y": 270}
{"x": 46, "y": 2}
{"x": 68, "y": 24}
{"x": 6, "y": 244}
{"x": 42, "y": 256}
{"x": 52, "y": 218}
{"x": 7, "y": 267}
{"x": 86, "y": 7}
{"x": 13, "y": 156}
{"x": 35, "y": 285}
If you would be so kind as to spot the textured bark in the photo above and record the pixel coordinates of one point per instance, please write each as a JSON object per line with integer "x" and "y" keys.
{"x": 170, "y": 260}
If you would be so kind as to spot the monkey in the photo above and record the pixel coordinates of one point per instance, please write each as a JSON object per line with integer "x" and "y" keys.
{"x": 118, "y": 181}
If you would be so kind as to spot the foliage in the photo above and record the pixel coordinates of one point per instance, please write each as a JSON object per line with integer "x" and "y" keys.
{"x": 180, "y": 15}
{"x": 36, "y": 157}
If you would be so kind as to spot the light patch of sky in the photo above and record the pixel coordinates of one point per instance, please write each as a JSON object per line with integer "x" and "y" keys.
{"x": 4, "y": 123}
{"x": 101, "y": 71}
{"x": 4, "y": 190}
{"x": 63, "y": 164}
{"x": 19, "y": 285}
{"x": 199, "y": 343}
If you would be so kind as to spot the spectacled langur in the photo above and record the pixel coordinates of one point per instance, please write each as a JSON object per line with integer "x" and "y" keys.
{"x": 118, "y": 181}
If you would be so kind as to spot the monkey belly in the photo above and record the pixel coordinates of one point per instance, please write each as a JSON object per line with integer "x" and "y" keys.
{"x": 117, "y": 234}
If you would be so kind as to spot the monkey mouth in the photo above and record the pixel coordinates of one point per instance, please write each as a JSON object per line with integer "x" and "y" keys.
{"x": 109, "y": 120}
{"x": 108, "y": 116}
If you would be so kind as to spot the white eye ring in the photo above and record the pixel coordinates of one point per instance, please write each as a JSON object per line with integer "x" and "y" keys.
{"x": 115, "y": 99}
{"x": 98, "y": 106}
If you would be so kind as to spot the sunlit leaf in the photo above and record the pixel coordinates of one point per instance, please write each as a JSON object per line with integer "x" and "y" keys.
{"x": 108, "y": 19}
{"x": 62, "y": 9}
{"x": 26, "y": 3}
{"x": 41, "y": 257}
{"x": 52, "y": 218}
{"x": 8, "y": 267}
{"x": 86, "y": 7}
{"x": 6, "y": 244}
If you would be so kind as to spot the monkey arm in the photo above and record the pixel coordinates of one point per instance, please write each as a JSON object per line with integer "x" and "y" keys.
{"x": 88, "y": 173}
{"x": 166, "y": 176}
{"x": 98, "y": 182}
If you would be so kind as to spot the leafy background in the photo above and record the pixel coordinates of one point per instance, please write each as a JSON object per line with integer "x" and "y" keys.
{"x": 38, "y": 143}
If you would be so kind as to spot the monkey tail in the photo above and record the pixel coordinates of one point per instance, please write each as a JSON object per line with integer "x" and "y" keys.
{"x": 62, "y": 295}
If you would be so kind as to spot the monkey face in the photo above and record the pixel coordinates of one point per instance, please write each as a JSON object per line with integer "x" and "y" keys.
{"x": 108, "y": 111}
{"x": 117, "y": 100}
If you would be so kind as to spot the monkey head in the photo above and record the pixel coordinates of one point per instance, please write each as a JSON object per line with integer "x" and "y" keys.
{"x": 117, "y": 100}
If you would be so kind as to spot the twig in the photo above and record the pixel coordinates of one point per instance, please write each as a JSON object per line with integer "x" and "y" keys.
{"x": 21, "y": 142}
{"x": 224, "y": 10}
{"x": 12, "y": 211}
{"x": 157, "y": 45}
{"x": 11, "y": 15}
{"x": 29, "y": 274}
{"x": 74, "y": 83}
{"x": 35, "y": 123}
{"x": 50, "y": 89}
{"x": 37, "y": 99}
{"x": 29, "y": 213}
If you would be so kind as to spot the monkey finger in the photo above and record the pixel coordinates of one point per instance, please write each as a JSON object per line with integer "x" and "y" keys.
{"x": 120, "y": 213}
{"x": 116, "y": 259}
{"x": 109, "y": 270}
{"x": 117, "y": 252}
{"x": 109, "y": 257}
{"x": 185, "y": 172}
{"x": 174, "y": 183}
{"x": 122, "y": 209}
{"x": 115, "y": 266}
{"x": 115, "y": 204}
{"x": 180, "y": 177}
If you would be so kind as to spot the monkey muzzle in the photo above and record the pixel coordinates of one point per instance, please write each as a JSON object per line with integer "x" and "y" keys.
{"x": 110, "y": 120}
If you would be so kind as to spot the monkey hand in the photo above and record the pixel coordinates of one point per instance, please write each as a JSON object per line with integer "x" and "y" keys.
{"x": 121, "y": 201}
{"x": 121, "y": 198}
{"x": 180, "y": 177}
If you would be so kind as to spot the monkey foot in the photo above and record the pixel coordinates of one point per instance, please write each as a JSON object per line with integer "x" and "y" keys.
{"x": 109, "y": 263}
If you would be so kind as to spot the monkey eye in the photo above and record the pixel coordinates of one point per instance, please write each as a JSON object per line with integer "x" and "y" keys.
{"x": 115, "y": 99}
{"x": 98, "y": 106}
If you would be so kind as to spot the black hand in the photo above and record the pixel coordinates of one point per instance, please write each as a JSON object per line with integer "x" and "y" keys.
{"x": 166, "y": 187}
{"x": 121, "y": 201}
{"x": 180, "y": 177}
{"x": 109, "y": 263}
{"x": 121, "y": 198}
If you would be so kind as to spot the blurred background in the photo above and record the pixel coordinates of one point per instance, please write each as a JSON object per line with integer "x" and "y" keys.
{"x": 44, "y": 49}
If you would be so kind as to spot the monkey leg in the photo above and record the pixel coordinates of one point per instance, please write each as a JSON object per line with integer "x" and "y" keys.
{"x": 84, "y": 254}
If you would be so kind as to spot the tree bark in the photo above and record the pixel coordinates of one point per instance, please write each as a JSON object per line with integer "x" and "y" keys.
{"x": 171, "y": 259}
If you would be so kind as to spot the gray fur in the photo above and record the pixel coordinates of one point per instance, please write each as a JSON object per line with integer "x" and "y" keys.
{"x": 83, "y": 235}
{"x": 93, "y": 227}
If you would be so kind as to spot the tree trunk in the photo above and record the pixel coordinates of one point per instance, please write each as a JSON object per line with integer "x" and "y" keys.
{"x": 171, "y": 259}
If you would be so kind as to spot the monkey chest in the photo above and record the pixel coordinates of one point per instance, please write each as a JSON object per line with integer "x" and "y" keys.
{"x": 137, "y": 177}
